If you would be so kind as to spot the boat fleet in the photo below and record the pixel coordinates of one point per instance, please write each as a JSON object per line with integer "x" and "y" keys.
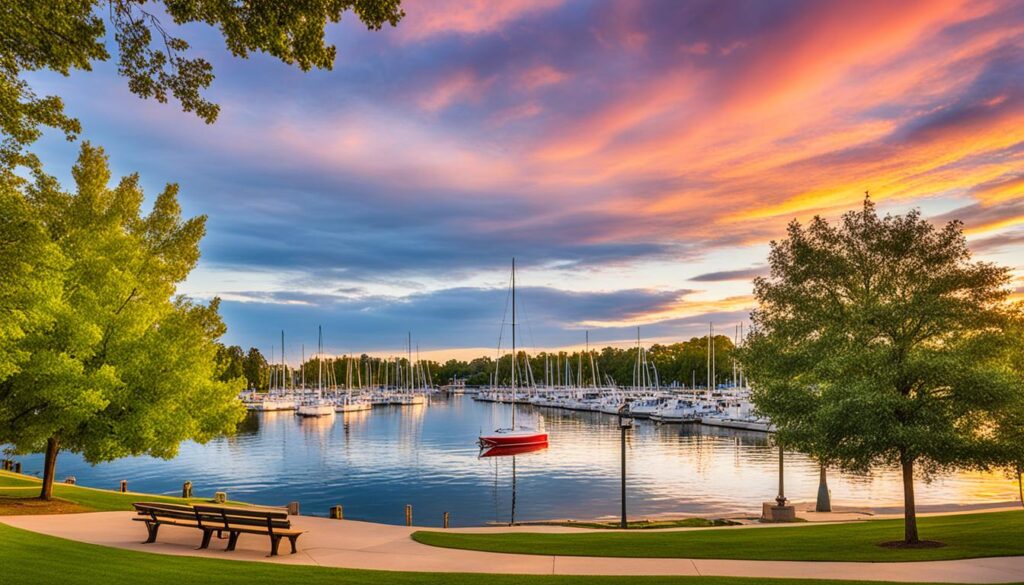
{"x": 391, "y": 383}
{"x": 722, "y": 405}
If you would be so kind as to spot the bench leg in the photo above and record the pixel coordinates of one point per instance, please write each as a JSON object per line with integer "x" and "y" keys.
{"x": 232, "y": 541}
{"x": 275, "y": 541}
{"x": 152, "y": 528}
{"x": 207, "y": 534}
{"x": 292, "y": 540}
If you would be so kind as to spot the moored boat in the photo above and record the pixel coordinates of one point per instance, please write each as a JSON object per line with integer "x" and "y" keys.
{"x": 317, "y": 407}
{"x": 513, "y": 436}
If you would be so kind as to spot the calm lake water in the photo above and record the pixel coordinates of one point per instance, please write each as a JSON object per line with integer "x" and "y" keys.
{"x": 376, "y": 462}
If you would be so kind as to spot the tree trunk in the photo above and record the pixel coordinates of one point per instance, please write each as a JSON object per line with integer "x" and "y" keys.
{"x": 49, "y": 467}
{"x": 824, "y": 503}
{"x": 1020, "y": 485}
{"x": 909, "y": 510}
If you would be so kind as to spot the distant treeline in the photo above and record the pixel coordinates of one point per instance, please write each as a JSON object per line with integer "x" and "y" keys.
{"x": 680, "y": 363}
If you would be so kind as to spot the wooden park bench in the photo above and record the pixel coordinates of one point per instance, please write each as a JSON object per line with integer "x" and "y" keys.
{"x": 272, "y": 522}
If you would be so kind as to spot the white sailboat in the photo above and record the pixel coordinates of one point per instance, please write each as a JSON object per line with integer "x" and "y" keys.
{"x": 316, "y": 407}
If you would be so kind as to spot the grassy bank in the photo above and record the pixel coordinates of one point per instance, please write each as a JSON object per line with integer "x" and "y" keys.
{"x": 966, "y": 536}
{"x": 27, "y": 557}
{"x": 19, "y": 493}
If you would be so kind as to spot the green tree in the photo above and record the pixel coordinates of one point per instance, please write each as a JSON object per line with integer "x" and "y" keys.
{"x": 257, "y": 374}
{"x": 230, "y": 361}
{"x": 69, "y": 35}
{"x": 123, "y": 366}
{"x": 880, "y": 341}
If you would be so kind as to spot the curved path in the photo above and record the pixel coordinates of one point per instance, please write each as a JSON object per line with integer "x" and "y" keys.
{"x": 363, "y": 545}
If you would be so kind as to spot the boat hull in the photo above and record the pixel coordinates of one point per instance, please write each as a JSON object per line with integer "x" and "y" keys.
{"x": 516, "y": 439}
{"x": 315, "y": 410}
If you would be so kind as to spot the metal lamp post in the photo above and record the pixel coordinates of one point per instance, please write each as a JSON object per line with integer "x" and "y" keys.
{"x": 625, "y": 423}
{"x": 781, "y": 498}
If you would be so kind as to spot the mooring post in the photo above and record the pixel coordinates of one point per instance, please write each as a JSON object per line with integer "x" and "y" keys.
{"x": 446, "y": 519}
{"x": 124, "y": 486}
{"x": 337, "y": 512}
{"x": 186, "y": 489}
{"x": 293, "y": 509}
{"x": 17, "y": 467}
{"x": 408, "y": 514}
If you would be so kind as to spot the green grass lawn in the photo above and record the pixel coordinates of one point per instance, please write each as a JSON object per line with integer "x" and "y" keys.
{"x": 966, "y": 536}
{"x": 31, "y": 558}
{"x": 15, "y": 487}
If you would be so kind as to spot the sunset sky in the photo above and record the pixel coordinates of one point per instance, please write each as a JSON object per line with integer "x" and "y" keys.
{"x": 636, "y": 157}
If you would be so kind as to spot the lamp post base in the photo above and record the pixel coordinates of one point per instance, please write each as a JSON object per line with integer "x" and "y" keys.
{"x": 773, "y": 512}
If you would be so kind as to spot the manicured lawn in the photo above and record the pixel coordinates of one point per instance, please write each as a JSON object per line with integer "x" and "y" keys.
{"x": 31, "y": 558}
{"x": 17, "y": 494}
{"x": 966, "y": 536}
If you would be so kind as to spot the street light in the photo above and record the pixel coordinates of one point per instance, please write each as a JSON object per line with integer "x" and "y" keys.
{"x": 625, "y": 423}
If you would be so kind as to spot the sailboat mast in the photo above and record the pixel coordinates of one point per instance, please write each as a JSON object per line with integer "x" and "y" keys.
{"x": 513, "y": 343}
{"x": 320, "y": 361}
{"x": 709, "y": 359}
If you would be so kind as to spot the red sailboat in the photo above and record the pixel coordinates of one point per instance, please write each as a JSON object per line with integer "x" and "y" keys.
{"x": 514, "y": 436}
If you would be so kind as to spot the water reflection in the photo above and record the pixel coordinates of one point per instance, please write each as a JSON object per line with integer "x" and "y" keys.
{"x": 375, "y": 462}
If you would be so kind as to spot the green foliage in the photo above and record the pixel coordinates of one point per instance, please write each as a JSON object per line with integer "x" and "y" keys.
{"x": 879, "y": 341}
{"x": 966, "y": 536}
{"x": 119, "y": 365}
{"x": 257, "y": 371}
{"x": 1010, "y": 425}
{"x": 30, "y": 289}
{"x": 63, "y": 36}
{"x": 230, "y": 362}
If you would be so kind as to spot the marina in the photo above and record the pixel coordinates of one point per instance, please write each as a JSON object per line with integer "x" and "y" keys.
{"x": 376, "y": 462}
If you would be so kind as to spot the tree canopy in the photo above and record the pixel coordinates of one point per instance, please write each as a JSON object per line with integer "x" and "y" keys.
{"x": 69, "y": 35}
{"x": 880, "y": 341}
{"x": 107, "y": 361}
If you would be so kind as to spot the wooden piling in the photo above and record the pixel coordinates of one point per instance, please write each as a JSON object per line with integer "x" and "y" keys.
{"x": 124, "y": 486}
{"x": 446, "y": 519}
{"x": 17, "y": 467}
{"x": 293, "y": 509}
{"x": 186, "y": 489}
{"x": 408, "y": 514}
{"x": 337, "y": 512}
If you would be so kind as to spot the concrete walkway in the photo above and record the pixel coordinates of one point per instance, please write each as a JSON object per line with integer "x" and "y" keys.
{"x": 363, "y": 545}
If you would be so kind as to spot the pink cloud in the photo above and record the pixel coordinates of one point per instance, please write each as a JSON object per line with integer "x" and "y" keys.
{"x": 429, "y": 18}
{"x": 540, "y": 76}
{"x": 460, "y": 87}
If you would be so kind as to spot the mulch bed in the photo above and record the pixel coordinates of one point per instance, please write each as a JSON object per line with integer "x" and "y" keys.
{"x": 900, "y": 544}
{"x": 35, "y": 506}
